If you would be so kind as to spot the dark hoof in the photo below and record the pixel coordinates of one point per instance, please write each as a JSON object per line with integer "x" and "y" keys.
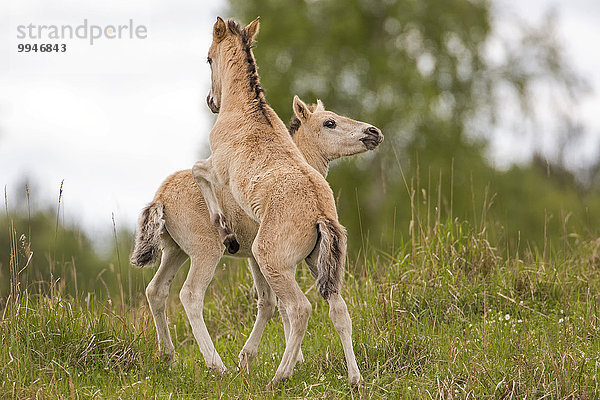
{"x": 231, "y": 244}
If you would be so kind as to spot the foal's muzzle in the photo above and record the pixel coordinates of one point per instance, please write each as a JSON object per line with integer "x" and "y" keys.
{"x": 211, "y": 104}
{"x": 373, "y": 137}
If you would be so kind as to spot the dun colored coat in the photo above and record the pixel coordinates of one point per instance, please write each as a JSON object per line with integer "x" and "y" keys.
{"x": 177, "y": 222}
{"x": 254, "y": 156}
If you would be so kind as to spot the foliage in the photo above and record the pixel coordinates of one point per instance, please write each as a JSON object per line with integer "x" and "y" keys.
{"x": 422, "y": 72}
{"x": 37, "y": 241}
{"x": 38, "y": 249}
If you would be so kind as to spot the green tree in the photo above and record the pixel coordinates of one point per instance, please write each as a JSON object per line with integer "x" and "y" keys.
{"x": 419, "y": 71}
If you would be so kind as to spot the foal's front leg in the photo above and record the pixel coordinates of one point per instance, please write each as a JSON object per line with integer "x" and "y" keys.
{"x": 202, "y": 172}
{"x": 266, "y": 308}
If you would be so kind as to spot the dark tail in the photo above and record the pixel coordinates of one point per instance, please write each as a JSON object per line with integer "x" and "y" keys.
{"x": 332, "y": 255}
{"x": 147, "y": 237}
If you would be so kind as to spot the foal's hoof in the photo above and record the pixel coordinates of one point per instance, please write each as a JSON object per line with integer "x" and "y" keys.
{"x": 245, "y": 359}
{"x": 220, "y": 369}
{"x": 231, "y": 244}
{"x": 168, "y": 358}
{"x": 276, "y": 383}
{"x": 356, "y": 381}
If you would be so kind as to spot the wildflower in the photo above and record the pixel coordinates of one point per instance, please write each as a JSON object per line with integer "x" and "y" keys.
{"x": 507, "y": 317}
{"x": 560, "y": 320}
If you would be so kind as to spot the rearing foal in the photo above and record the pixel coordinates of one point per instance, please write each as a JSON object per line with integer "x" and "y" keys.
{"x": 253, "y": 154}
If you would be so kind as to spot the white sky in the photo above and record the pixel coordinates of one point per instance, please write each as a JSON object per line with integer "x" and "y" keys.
{"x": 578, "y": 35}
{"x": 114, "y": 119}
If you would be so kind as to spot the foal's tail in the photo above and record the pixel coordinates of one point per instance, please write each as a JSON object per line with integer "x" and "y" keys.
{"x": 332, "y": 255}
{"x": 147, "y": 237}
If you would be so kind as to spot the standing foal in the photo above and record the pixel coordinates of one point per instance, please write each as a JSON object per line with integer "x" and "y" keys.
{"x": 253, "y": 155}
{"x": 178, "y": 223}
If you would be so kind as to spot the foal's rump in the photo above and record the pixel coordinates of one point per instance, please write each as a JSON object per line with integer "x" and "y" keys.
{"x": 282, "y": 243}
{"x": 186, "y": 216}
{"x": 301, "y": 223}
{"x": 178, "y": 212}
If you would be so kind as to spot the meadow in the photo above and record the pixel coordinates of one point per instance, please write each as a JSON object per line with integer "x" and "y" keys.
{"x": 487, "y": 288}
{"x": 445, "y": 315}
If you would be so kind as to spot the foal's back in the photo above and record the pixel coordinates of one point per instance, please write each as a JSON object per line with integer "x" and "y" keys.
{"x": 267, "y": 174}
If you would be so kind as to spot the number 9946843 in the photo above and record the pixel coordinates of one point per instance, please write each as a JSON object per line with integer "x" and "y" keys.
{"x": 41, "y": 48}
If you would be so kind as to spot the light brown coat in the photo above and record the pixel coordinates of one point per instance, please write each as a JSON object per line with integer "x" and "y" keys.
{"x": 254, "y": 156}
{"x": 177, "y": 222}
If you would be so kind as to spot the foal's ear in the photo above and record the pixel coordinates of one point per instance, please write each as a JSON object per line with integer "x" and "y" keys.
{"x": 320, "y": 106}
{"x": 301, "y": 110}
{"x": 252, "y": 28}
{"x": 219, "y": 30}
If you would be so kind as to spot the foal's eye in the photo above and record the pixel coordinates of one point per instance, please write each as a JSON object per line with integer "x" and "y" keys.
{"x": 209, "y": 60}
{"x": 329, "y": 124}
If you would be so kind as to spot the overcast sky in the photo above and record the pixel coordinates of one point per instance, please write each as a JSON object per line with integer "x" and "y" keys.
{"x": 578, "y": 35}
{"x": 113, "y": 119}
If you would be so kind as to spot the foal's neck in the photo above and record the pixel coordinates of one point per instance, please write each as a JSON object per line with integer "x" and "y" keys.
{"x": 311, "y": 151}
{"x": 241, "y": 88}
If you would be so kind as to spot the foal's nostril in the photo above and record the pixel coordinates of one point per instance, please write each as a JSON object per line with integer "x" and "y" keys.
{"x": 373, "y": 131}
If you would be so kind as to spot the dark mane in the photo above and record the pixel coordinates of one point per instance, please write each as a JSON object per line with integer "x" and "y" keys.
{"x": 295, "y": 122}
{"x": 253, "y": 78}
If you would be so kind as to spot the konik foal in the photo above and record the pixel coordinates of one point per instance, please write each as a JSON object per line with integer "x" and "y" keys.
{"x": 177, "y": 222}
{"x": 254, "y": 156}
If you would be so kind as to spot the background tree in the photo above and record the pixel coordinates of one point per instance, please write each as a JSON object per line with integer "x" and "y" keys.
{"x": 420, "y": 70}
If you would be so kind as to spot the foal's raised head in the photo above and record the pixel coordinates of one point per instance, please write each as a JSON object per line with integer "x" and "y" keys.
{"x": 335, "y": 136}
{"x": 228, "y": 39}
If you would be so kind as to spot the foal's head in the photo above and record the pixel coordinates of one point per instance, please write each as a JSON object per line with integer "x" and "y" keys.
{"x": 335, "y": 136}
{"x": 230, "y": 42}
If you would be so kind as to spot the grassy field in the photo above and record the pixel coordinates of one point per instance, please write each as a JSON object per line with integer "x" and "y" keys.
{"x": 445, "y": 316}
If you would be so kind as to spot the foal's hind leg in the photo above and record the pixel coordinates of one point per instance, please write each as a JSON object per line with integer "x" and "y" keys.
{"x": 286, "y": 330}
{"x": 266, "y": 308}
{"x": 202, "y": 172}
{"x": 338, "y": 313}
{"x": 158, "y": 291}
{"x": 192, "y": 294}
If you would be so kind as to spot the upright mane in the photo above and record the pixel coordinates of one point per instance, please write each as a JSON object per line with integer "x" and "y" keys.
{"x": 295, "y": 122}
{"x": 252, "y": 71}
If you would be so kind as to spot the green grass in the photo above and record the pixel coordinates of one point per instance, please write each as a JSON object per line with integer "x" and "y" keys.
{"x": 446, "y": 316}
